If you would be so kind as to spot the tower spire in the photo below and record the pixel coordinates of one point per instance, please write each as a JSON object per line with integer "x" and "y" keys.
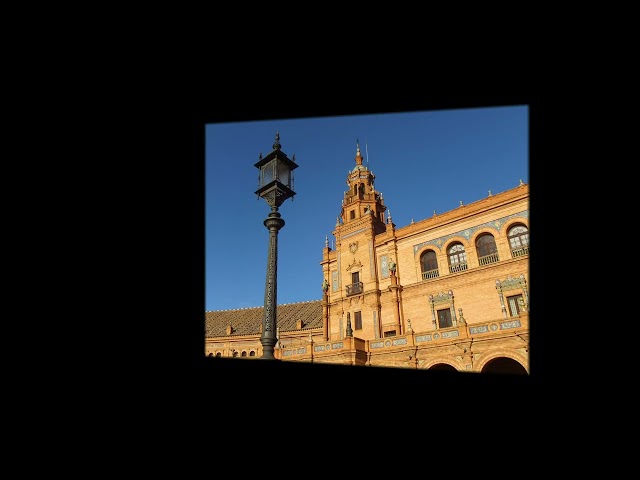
{"x": 276, "y": 145}
{"x": 358, "y": 154}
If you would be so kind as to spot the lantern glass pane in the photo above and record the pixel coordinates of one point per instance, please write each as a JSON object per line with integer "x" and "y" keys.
{"x": 283, "y": 173}
{"x": 267, "y": 173}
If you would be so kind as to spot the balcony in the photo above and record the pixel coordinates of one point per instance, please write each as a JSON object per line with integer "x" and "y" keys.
{"x": 487, "y": 259}
{"x": 430, "y": 274}
{"x": 458, "y": 267}
{"x": 354, "y": 289}
{"x": 519, "y": 252}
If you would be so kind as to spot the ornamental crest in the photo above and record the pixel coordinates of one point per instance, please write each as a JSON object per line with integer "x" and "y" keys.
{"x": 440, "y": 298}
{"x": 510, "y": 283}
{"x": 356, "y": 264}
{"x": 353, "y": 247}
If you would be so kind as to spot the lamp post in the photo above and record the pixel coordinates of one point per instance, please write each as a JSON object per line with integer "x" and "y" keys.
{"x": 275, "y": 183}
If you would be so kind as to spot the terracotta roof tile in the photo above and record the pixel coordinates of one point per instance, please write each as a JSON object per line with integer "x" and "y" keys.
{"x": 247, "y": 321}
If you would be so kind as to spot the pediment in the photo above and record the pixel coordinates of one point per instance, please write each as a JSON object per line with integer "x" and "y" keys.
{"x": 355, "y": 264}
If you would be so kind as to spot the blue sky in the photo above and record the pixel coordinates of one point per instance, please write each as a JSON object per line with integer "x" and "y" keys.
{"x": 423, "y": 161}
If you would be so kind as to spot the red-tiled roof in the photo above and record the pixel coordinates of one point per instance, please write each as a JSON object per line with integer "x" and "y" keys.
{"x": 247, "y": 321}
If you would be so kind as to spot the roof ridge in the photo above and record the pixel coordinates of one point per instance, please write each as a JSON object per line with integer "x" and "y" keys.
{"x": 262, "y": 306}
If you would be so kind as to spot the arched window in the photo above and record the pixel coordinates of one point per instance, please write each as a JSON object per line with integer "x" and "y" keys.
{"x": 218, "y": 354}
{"x": 252, "y": 353}
{"x": 244, "y": 353}
{"x": 519, "y": 240}
{"x": 429, "y": 265}
{"x": 457, "y": 258}
{"x": 486, "y": 249}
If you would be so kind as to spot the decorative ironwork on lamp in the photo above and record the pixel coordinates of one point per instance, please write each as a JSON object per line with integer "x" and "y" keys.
{"x": 275, "y": 185}
{"x": 275, "y": 180}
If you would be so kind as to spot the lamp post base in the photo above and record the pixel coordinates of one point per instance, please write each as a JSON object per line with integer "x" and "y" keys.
{"x": 268, "y": 348}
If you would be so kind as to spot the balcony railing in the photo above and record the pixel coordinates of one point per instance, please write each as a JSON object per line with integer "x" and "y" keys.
{"x": 487, "y": 259}
{"x": 519, "y": 252}
{"x": 354, "y": 288}
{"x": 430, "y": 274}
{"x": 458, "y": 267}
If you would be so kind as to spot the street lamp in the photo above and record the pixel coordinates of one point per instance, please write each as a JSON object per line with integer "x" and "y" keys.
{"x": 275, "y": 183}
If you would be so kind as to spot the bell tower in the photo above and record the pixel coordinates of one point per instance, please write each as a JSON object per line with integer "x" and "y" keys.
{"x": 351, "y": 283}
{"x": 362, "y": 200}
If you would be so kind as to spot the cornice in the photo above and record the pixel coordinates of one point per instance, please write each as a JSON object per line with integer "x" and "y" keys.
{"x": 465, "y": 211}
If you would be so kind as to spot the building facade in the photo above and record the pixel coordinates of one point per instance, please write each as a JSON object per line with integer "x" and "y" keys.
{"x": 449, "y": 292}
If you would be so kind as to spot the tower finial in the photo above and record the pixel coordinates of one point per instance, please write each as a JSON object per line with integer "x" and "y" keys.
{"x": 326, "y": 241}
{"x": 358, "y": 154}
{"x": 276, "y": 145}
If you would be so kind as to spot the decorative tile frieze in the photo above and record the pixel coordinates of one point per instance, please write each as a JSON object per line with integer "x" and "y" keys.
{"x": 480, "y": 329}
{"x": 452, "y": 333}
{"x": 468, "y": 233}
{"x": 423, "y": 338}
{"x": 510, "y": 324}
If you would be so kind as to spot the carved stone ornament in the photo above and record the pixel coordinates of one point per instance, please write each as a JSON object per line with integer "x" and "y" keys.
{"x": 441, "y": 298}
{"x": 353, "y": 247}
{"x": 511, "y": 283}
{"x": 356, "y": 263}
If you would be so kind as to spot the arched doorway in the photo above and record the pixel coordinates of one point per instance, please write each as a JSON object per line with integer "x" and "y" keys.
{"x": 444, "y": 367}
{"x": 504, "y": 365}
